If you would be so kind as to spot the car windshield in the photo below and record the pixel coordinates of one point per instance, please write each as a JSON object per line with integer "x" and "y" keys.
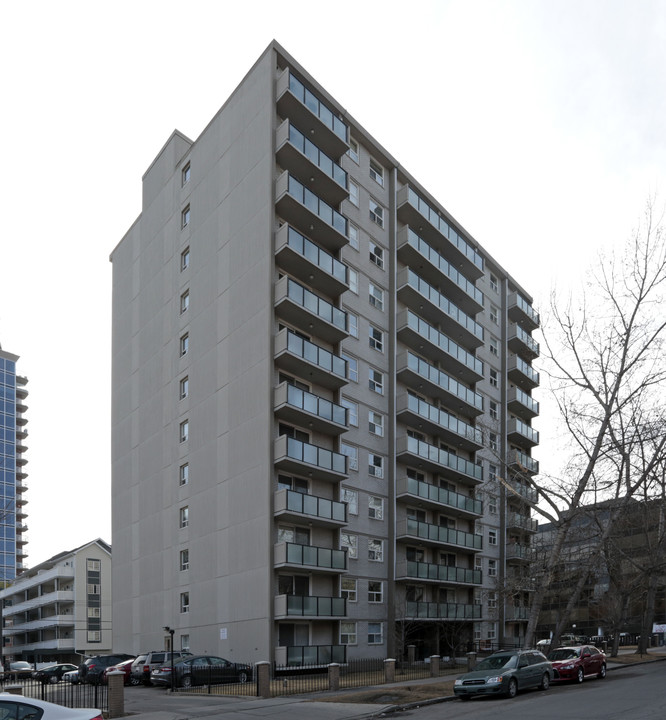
{"x": 564, "y": 654}
{"x": 496, "y": 662}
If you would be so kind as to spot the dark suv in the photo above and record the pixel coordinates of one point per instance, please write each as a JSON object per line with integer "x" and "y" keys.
{"x": 146, "y": 663}
{"x": 92, "y": 670}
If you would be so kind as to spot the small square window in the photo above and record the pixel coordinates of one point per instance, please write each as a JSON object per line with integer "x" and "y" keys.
{"x": 347, "y": 633}
{"x": 376, "y": 172}
{"x": 185, "y": 431}
{"x": 375, "y": 634}
{"x": 184, "y": 301}
{"x": 352, "y": 234}
{"x": 184, "y": 344}
{"x": 375, "y": 465}
{"x": 376, "y": 381}
{"x": 184, "y": 517}
{"x": 376, "y": 550}
{"x": 352, "y": 324}
{"x": 377, "y": 255}
{"x": 350, "y": 542}
{"x": 354, "y": 151}
{"x": 185, "y": 217}
{"x": 376, "y": 297}
{"x": 184, "y": 559}
{"x": 375, "y": 508}
{"x": 376, "y": 339}
{"x": 352, "y": 367}
{"x": 493, "y": 283}
{"x": 494, "y": 315}
{"x": 348, "y": 589}
{"x": 376, "y": 213}
{"x": 494, "y": 378}
{"x": 185, "y": 602}
{"x": 352, "y": 411}
{"x": 376, "y": 423}
{"x": 352, "y": 280}
{"x": 184, "y": 387}
{"x": 184, "y": 474}
{"x": 185, "y": 174}
{"x": 185, "y": 642}
{"x": 185, "y": 259}
{"x": 353, "y": 193}
{"x": 375, "y": 591}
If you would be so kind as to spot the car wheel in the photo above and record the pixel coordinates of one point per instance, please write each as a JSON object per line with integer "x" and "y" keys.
{"x": 53, "y": 679}
{"x": 242, "y": 677}
{"x": 580, "y": 676}
{"x": 186, "y": 682}
{"x": 512, "y": 690}
{"x": 602, "y": 673}
{"x": 545, "y": 682}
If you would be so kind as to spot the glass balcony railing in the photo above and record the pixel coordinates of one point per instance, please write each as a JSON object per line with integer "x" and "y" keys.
{"x": 518, "y": 552}
{"x": 444, "y": 419}
{"x": 317, "y": 206}
{"x": 443, "y": 573}
{"x": 312, "y": 252}
{"x": 444, "y": 304}
{"x": 524, "y": 461}
{"x": 523, "y": 305}
{"x": 524, "y": 399}
{"x": 316, "y": 556}
{"x": 444, "y": 381}
{"x": 317, "y": 156}
{"x": 516, "y": 425}
{"x": 445, "y": 611}
{"x": 317, "y": 456}
{"x": 525, "y": 522}
{"x": 424, "y": 490}
{"x": 444, "y": 458}
{"x": 525, "y": 368}
{"x": 315, "y": 405}
{"x": 315, "y": 654}
{"x": 526, "y": 339}
{"x": 307, "y": 606}
{"x": 316, "y": 355}
{"x": 430, "y": 333}
{"x": 448, "y": 536}
{"x": 315, "y": 506}
{"x": 316, "y": 305}
{"x": 317, "y": 107}
{"x": 523, "y": 490}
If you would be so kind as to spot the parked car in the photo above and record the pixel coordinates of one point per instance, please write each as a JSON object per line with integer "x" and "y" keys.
{"x": 577, "y": 663}
{"x": 17, "y": 706}
{"x": 92, "y": 670}
{"x": 20, "y": 669}
{"x": 71, "y": 677}
{"x": 505, "y": 673}
{"x": 53, "y": 673}
{"x": 125, "y": 667}
{"x": 202, "y": 670}
{"x": 142, "y": 668}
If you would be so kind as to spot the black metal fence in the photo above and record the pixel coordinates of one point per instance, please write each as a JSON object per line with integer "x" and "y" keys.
{"x": 63, "y": 693}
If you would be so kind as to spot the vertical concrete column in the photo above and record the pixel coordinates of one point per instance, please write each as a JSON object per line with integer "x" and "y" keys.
{"x": 116, "y": 682}
{"x": 263, "y": 674}
{"x": 434, "y": 666}
{"x": 411, "y": 654}
{"x": 334, "y": 676}
{"x": 389, "y": 670}
{"x": 471, "y": 661}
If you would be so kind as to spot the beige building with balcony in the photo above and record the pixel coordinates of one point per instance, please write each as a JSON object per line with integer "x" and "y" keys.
{"x": 60, "y": 610}
{"x": 322, "y": 398}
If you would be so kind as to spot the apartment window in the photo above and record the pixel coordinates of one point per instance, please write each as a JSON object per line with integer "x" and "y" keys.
{"x": 185, "y": 602}
{"x": 352, "y": 367}
{"x": 492, "y": 441}
{"x": 376, "y": 339}
{"x": 491, "y": 634}
{"x": 352, "y": 455}
{"x": 351, "y": 498}
{"x": 376, "y": 550}
{"x": 94, "y": 565}
{"x": 184, "y": 430}
{"x": 493, "y": 283}
{"x": 92, "y": 589}
{"x": 184, "y": 301}
{"x": 287, "y": 482}
{"x": 376, "y": 213}
{"x": 290, "y": 534}
{"x": 184, "y": 387}
{"x": 350, "y": 542}
{"x": 492, "y": 474}
{"x": 494, "y": 378}
{"x": 94, "y": 636}
{"x": 492, "y": 568}
{"x": 492, "y": 503}
{"x": 185, "y": 259}
{"x": 376, "y": 381}
{"x": 184, "y": 473}
{"x": 492, "y": 537}
{"x": 376, "y": 297}
{"x": 184, "y": 516}
{"x": 352, "y": 411}
{"x": 184, "y": 642}
{"x": 185, "y": 217}
{"x": 353, "y": 193}
{"x": 94, "y": 612}
{"x": 492, "y": 600}
{"x": 375, "y": 591}
{"x": 375, "y": 465}
{"x": 347, "y": 633}
{"x": 375, "y": 634}
{"x": 492, "y": 410}
{"x": 376, "y": 508}
{"x": 352, "y": 324}
{"x": 478, "y": 562}
{"x": 494, "y": 314}
{"x": 376, "y": 172}
{"x": 184, "y": 559}
{"x": 376, "y": 423}
{"x": 352, "y": 279}
{"x": 184, "y": 344}
{"x": 415, "y": 475}
{"x": 354, "y": 151}
{"x": 185, "y": 174}
{"x": 494, "y": 346}
{"x": 377, "y": 255}
{"x": 352, "y": 234}
{"x": 348, "y": 589}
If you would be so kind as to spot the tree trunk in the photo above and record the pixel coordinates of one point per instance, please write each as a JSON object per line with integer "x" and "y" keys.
{"x": 648, "y": 615}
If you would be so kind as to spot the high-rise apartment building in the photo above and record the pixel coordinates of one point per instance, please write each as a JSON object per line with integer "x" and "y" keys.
{"x": 13, "y": 432}
{"x": 322, "y": 398}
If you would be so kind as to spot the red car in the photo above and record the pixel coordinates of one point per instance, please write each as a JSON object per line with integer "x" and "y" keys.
{"x": 124, "y": 666}
{"x": 577, "y": 663}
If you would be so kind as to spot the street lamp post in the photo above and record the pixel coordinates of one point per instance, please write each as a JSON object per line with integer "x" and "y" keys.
{"x": 171, "y": 632}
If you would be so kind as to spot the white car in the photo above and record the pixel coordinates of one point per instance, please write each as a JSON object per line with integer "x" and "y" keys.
{"x": 18, "y": 706}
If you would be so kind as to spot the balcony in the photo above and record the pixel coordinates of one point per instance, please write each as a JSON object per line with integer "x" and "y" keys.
{"x": 521, "y": 433}
{"x": 301, "y": 307}
{"x": 305, "y": 359}
{"x": 414, "y": 211}
{"x": 436, "y": 308}
{"x": 436, "y": 498}
{"x": 301, "y": 457}
{"x": 434, "y": 421}
{"x": 522, "y": 404}
{"x": 522, "y": 343}
{"x": 436, "y": 535}
{"x": 522, "y": 373}
{"x": 60, "y": 644}
{"x": 288, "y": 606}
{"x": 518, "y": 521}
{"x": 417, "y": 452}
{"x": 305, "y": 259}
{"x": 412, "y": 570}
{"x": 313, "y": 117}
{"x": 415, "y": 252}
{"x": 303, "y": 408}
{"x": 426, "y": 339}
{"x": 323, "y": 655}
{"x": 415, "y": 371}
{"x": 312, "y": 166}
{"x": 61, "y": 621}
{"x": 518, "y": 553}
{"x": 299, "y": 206}
{"x": 522, "y": 491}
{"x": 522, "y": 312}
{"x": 325, "y": 560}
{"x": 522, "y": 462}
{"x": 517, "y": 614}
{"x": 442, "y": 611}
{"x": 297, "y": 507}
{"x": 46, "y": 599}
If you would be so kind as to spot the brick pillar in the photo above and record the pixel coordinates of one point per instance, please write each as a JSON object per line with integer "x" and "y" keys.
{"x": 471, "y": 661}
{"x": 334, "y": 676}
{"x": 434, "y": 666}
{"x": 411, "y": 654}
{"x": 116, "y": 682}
{"x": 389, "y": 670}
{"x": 263, "y": 674}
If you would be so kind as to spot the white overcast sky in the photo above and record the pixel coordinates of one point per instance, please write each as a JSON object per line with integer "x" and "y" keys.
{"x": 540, "y": 125}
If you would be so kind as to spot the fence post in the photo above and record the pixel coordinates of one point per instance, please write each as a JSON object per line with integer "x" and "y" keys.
{"x": 434, "y": 666}
{"x": 471, "y": 661}
{"x": 116, "y": 682}
{"x": 334, "y": 676}
{"x": 263, "y": 675}
{"x": 411, "y": 654}
{"x": 389, "y": 670}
